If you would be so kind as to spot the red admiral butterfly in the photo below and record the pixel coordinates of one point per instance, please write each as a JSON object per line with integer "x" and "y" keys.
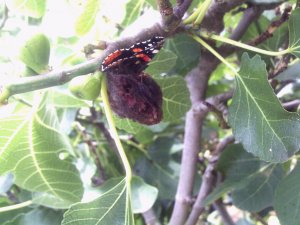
{"x": 132, "y": 93}
{"x": 133, "y": 59}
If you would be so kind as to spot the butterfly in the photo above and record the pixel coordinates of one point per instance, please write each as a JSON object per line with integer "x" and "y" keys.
{"x": 133, "y": 59}
{"x": 132, "y": 93}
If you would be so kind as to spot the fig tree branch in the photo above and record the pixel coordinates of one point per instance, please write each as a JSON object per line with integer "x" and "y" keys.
{"x": 5, "y": 17}
{"x": 54, "y": 78}
{"x": 223, "y": 212}
{"x": 193, "y": 124}
{"x": 208, "y": 179}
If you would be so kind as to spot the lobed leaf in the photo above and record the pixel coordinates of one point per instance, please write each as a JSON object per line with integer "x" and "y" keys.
{"x": 87, "y": 18}
{"x": 32, "y": 8}
{"x": 257, "y": 118}
{"x": 35, "y": 53}
{"x": 133, "y": 10}
{"x": 143, "y": 195}
{"x": 30, "y": 145}
{"x": 112, "y": 207}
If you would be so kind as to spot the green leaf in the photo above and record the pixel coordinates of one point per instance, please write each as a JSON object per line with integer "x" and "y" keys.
{"x": 291, "y": 73}
{"x": 87, "y": 18}
{"x": 238, "y": 167}
{"x": 159, "y": 169}
{"x": 133, "y": 11}
{"x": 187, "y": 51}
{"x": 30, "y": 146}
{"x": 63, "y": 99}
{"x": 85, "y": 87}
{"x": 176, "y": 101}
{"x": 287, "y": 198}
{"x": 32, "y": 8}
{"x": 257, "y": 118}
{"x": 294, "y": 32}
{"x": 143, "y": 195}
{"x": 11, "y": 215}
{"x": 153, "y": 3}
{"x": 48, "y": 200}
{"x": 112, "y": 207}
{"x": 128, "y": 125}
{"x": 38, "y": 216}
{"x": 36, "y": 52}
{"x": 259, "y": 193}
{"x": 161, "y": 63}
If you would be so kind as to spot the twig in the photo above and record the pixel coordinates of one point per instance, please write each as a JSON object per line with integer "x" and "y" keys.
{"x": 181, "y": 7}
{"x": 197, "y": 82}
{"x": 217, "y": 11}
{"x": 208, "y": 179}
{"x": 103, "y": 129}
{"x": 5, "y": 17}
{"x": 197, "y": 85}
{"x": 292, "y": 105}
{"x": 281, "y": 65}
{"x": 12, "y": 197}
{"x": 259, "y": 218}
{"x": 93, "y": 150}
{"x": 165, "y": 8}
{"x": 223, "y": 212}
{"x": 207, "y": 107}
{"x": 150, "y": 217}
{"x": 272, "y": 27}
{"x": 54, "y": 78}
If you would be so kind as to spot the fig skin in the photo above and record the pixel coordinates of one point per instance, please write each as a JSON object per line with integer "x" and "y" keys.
{"x": 135, "y": 96}
{"x": 85, "y": 87}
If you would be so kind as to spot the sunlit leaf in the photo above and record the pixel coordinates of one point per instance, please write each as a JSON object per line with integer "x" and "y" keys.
{"x": 133, "y": 10}
{"x": 30, "y": 146}
{"x": 32, "y": 8}
{"x": 143, "y": 195}
{"x": 294, "y": 32}
{"x": 112, "y": 207}
{"x": 257, "y": 118}
{"x": 36, "y": 52}
{"x": 87, "y": 18}
{"x": 63, "y": 99}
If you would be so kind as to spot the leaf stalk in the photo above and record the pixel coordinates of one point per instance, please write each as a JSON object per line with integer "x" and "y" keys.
{"x": 244, "y": 46}
{"x": 113, "y": 130}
